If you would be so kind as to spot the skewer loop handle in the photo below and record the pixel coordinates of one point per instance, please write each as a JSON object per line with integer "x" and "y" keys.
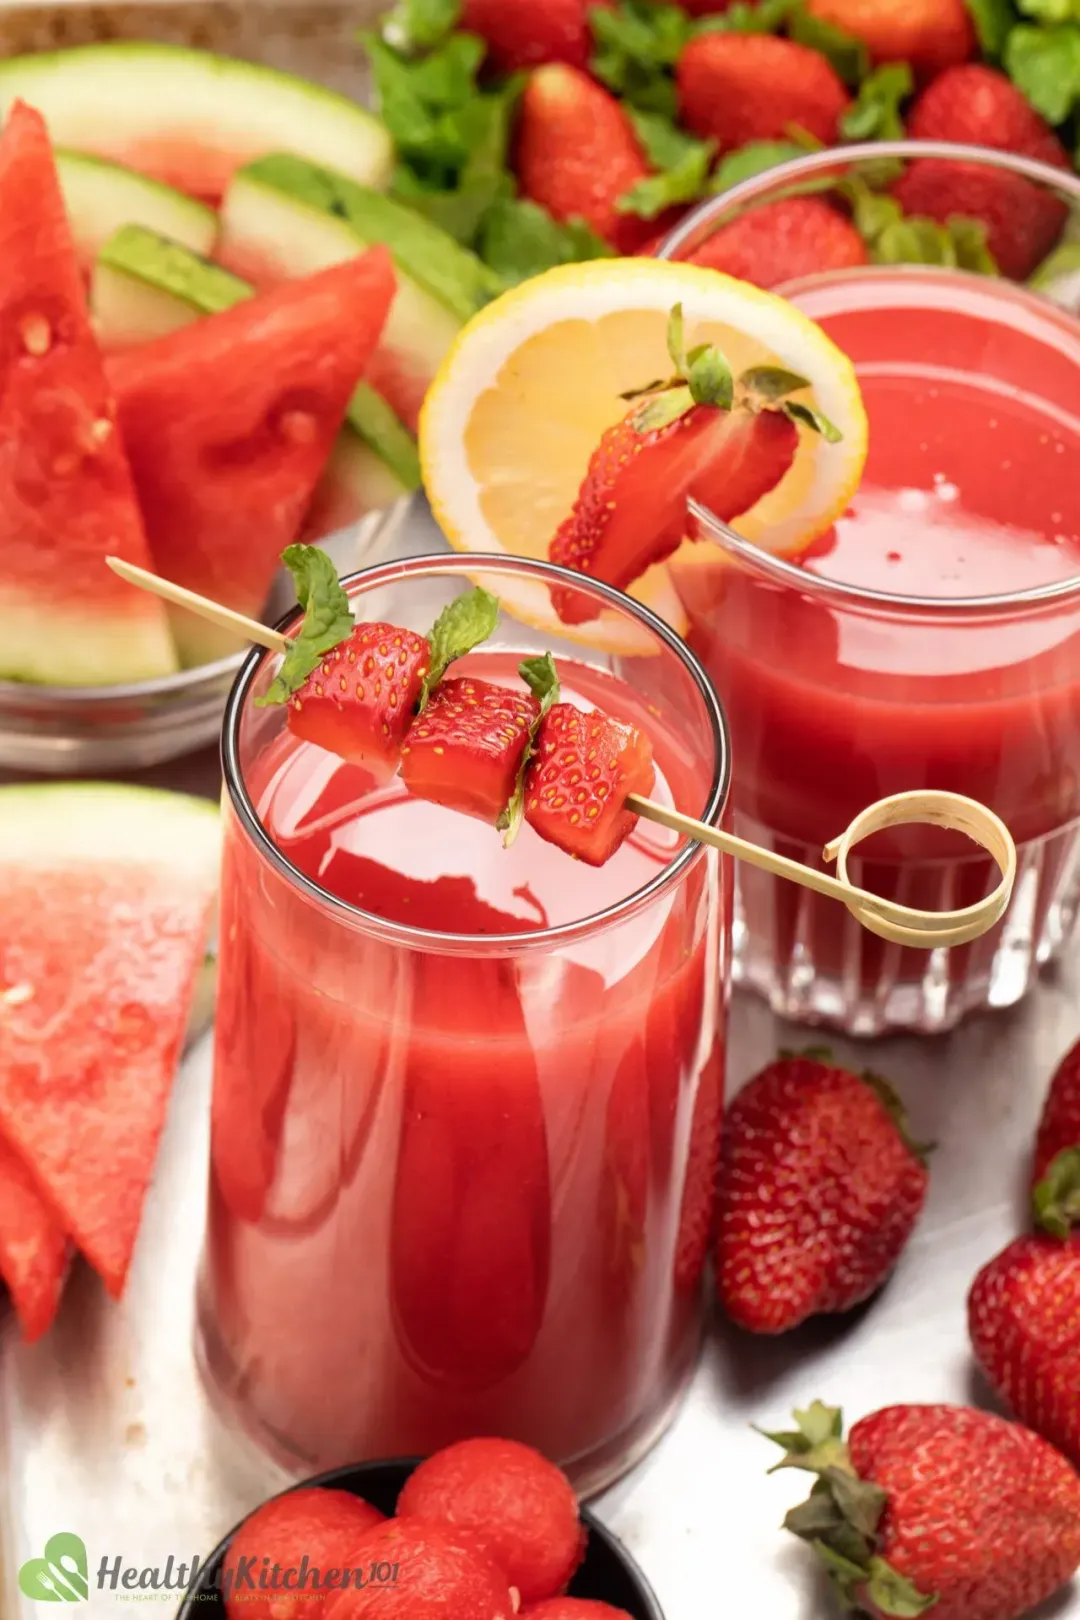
{"x": 929, "y": 930}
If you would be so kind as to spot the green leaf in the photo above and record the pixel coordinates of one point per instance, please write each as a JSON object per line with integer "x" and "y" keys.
{"x": 771, "y": 383}
{"x": 1056, "y": 1199}
{"x": 1045, "y": 64}
{"x": 676, "y": 341}
{"x": 993, "y": 20}
{"x": 875, "y": 113}
{"x": 1058, "y": 274}
{"x": 662, "y": 142}
{"x": 959, "y": 245}
{"x": 327, "y": 621}
{"x": 711, "y": 382}
{"x": 1051, "y": 11}
{"x": 684, "y": 182}
{"x": 756, "y": 158}
{"x": 893, "y": 1594}
{"x": 746, "y": 17}
{"x": 542, "y": 679}
{"x": 462, "y": 625}
{"x": 846, "y": 1575}
{"x": 637, "y": 46}
{"x": 519, "y": 239}
{"x": 860, "y": 1502}
{"x": 662, "y": 410}
{"x": 847, "y": 54}
{"x": 969, "y": 240}
{"x": 809, "y": 416}
{"x": 419, "y": 25}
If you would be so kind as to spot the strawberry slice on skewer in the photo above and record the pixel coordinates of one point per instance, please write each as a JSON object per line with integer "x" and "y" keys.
{"x": 355, "y": 689}
{"x": 465, "y": 750}
{"x": 701, "y": 434}
{"x": 576, "y": 789}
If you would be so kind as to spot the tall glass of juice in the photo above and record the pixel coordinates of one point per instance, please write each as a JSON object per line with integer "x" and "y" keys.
{"x": 466, "y": 1098}
{"x": 930, "y": 639}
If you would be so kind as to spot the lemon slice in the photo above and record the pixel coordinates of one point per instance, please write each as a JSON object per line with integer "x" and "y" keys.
{"x": 525, "y": 394}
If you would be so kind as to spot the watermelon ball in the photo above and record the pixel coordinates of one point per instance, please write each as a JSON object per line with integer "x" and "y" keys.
{"x": 568, "y": 1608}
{"x": 413, "y": 1570}
{"x": 318, "y": 1525}
{"x": 521, "y": 1508}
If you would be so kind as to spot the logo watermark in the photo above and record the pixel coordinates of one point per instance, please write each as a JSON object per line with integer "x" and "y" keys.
{"x": 62, "y": 1575}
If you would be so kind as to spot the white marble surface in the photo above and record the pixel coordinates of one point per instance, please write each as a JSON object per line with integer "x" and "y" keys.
{"x": 107, "y": 1432}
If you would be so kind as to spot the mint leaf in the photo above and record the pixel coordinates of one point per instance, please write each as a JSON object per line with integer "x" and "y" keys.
{"x": 519, "y": 239}
{"x": 462, "y": 625}
{"x": 993, "y": 19}
{"x": 328, "y": 620}
{"x": 418, "y": 25}
{"x": 847, "y": 54}
{"x": 417, "y": 101}
{"x": 1051, "y": 11}
{"x": 684, "y": 182}
{"x": 637, "y": 45}
{"x": 481, "y": 129}
{"x": 756, "y": 158}
{"x": 1044, "y": 63}
{"x": 746, "y": 17}
{"x": 542, "y": 679}
{"x": 662, "y": 142}
{"x": 875, "y": 114}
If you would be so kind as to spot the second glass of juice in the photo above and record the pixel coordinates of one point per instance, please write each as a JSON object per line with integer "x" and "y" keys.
{"x": 466, "y": 1099}
{"x": 931, "y": 639}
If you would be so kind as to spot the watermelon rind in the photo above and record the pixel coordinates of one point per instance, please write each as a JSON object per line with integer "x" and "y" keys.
{"x": 144, "y": 103}
{"x": 44, "y": 644}
{"x": 58, "y": 824}
{"x": 100, "y": 197}
{"x": 144, "y": 287}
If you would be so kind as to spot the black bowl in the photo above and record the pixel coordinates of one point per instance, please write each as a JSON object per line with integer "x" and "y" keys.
{"x": 607, "y": 1575}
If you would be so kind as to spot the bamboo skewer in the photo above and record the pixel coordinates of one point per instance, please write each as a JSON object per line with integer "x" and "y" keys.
{"x": 903, "y": 925}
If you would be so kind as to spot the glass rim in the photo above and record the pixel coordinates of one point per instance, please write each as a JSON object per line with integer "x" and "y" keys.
{"x": 471, "y": 565}
{"x": 1035, "y": 597}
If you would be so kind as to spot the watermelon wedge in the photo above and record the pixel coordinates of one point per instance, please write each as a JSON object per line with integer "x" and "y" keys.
{"x": 230, "y": 422}
{"x": 66, "y": 495}
{"x": 106, "y": 895}
{"x": 191, "y": 118}
{"x": 33, "y": 1248}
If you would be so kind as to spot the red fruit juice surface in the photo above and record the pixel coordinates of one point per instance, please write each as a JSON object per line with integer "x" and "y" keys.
{"x": 972, "y": 488}
{"x": 457, "y": 1193}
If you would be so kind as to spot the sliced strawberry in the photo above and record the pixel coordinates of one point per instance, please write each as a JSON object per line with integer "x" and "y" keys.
{"x": 702, "y": 435}
{"x": 465, "y": 750}
{"x": 360, "y": 700}
{"x": 575, "y": 793}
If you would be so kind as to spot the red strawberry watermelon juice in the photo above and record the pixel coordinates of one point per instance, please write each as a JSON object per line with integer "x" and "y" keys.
{"x": 867, "y": 666}
{"x": 467, "y": 1099}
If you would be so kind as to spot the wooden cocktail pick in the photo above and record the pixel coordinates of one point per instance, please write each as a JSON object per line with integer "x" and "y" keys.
{"x": 903, "y": 925}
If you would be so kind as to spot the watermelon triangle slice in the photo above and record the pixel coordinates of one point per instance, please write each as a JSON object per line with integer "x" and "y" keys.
{"x": 106, "y": 894}
{"x": 230, "y": 422}
{"x": 66, "y": 496}
{"x": 33, "y": 1247}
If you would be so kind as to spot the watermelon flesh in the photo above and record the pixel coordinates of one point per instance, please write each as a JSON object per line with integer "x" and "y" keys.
{"x": 229, "y": 424}
{"x": 66, "y": 493}
{"x": 33, "y": 1248}
{"x": 107, "y": 894}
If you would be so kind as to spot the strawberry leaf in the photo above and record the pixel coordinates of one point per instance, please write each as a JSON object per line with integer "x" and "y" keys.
{"x": 676, "y": 341}
{"x": 462, "y": 625}
{"x": 860, "y": 1503}
{"x": 711, "y": 382}
{"x": 683, "y": 182}
{"x": 519, "y": 240}
{"x": 662, "y": 410}
{"x": 893, "y": 1105}
{"x": 748, "y": 17}
{"x": 327, "y": 621}
{"x": 809, "y": 416}
{"x": 1044, "y": 63}
{"x": 756, "y": 158}
{"x": 875, "y": 113}
{"x": 1056, "y": 1199}
{"x": 542, "y": 679}
{"x": 993, "y": 19}
{"x": 893, "y": 1594}
{"x": 772, "y": 383}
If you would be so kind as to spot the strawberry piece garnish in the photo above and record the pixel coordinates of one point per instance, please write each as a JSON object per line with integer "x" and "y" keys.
{"x": 700, "y": 434}
{"x": 465, "y": 750}
{"x": 359, "y": 702}
{"x": 576, "y": 788}
{"x": 577, "y": 154}
{"x": 356, "y": 689}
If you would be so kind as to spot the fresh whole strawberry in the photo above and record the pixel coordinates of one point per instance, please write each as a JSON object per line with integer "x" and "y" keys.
{"x": 577, "y": 154}
{"x": 522, "y": 34}
{"x": 737, "y": 88}
{"x": 1059, "y": 1128}
{"x": 781, "y": 241}
{"x": 930, "y": 35}
{"x": 576, "y": 788}
{"x": 937, "y": 1508}
{"x": 700, "y": 434}
{"x": 978, "y": 106}
{"x": 466, "y": 748}
{"x": 820, "y": 1189}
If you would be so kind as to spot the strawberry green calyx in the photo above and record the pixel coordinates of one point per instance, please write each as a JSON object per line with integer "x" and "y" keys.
{"x": 766, "y": 388}
{"x": 896, "y": 1111}
{"x": 462, "y": 625}
{"x": 542, "y": 679}
{"x": 1056, "y": 1199}
{"x": 327, "y": 621}
{"x": 841, "y": 1516}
